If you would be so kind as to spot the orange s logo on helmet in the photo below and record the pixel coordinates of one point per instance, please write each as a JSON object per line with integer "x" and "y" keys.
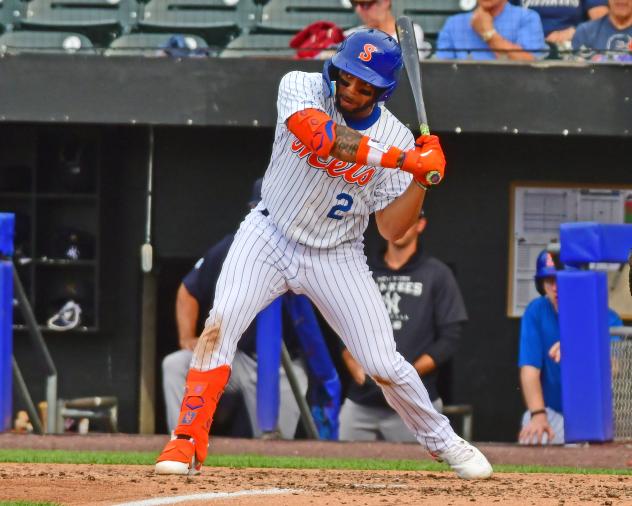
{"x": 367, "y": 54}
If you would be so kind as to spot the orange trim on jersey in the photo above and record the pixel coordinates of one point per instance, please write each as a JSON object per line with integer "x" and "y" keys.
{"x": 315, "y": 129}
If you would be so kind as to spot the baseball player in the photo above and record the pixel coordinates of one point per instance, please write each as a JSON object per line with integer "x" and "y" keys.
{"x": 338, "y": 156}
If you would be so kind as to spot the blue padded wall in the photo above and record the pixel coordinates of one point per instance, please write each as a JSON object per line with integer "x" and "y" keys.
{"x": 585, "y": 242}
{"x": 7, "y": 232}
{"x": 585, "y": 363}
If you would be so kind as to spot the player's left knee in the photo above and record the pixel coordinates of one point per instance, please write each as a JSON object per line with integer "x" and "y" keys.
{"x": 389, "y": 374}
{"x": 383, "y": 381}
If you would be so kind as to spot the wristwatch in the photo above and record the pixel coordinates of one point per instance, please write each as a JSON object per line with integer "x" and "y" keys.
{"x": 486, "y": 36}
{"x": 538, "y": 412}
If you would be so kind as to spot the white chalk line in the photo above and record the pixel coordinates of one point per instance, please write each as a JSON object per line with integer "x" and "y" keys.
{"x": 206, "y": 496}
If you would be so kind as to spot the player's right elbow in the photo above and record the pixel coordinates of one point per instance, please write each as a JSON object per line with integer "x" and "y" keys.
{"x": 315, "y": 129}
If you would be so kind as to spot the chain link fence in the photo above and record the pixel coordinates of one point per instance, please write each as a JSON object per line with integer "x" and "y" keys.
{"x": 621, "y": 357}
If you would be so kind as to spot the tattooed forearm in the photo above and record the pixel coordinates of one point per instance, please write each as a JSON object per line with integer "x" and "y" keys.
{"x": 346, "y": 144}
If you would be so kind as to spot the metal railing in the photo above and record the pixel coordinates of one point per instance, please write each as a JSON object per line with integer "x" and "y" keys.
{"x": 51, "y": 426}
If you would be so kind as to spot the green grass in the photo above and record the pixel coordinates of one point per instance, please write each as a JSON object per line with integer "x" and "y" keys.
{"x": 26, "y": 503}
{"x": 242, "y": 461}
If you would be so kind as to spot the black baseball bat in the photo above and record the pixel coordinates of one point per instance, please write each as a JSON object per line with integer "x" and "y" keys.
{"x": 410, "y": 54}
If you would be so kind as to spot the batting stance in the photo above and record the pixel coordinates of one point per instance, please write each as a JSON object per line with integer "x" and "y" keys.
{"x": 338, "y": 156}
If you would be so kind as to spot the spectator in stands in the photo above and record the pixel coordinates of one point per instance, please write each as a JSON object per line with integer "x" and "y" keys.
{"x": 608, "y": 38}
{"x": 378, "y": 14}
{"x": 193, "y": 300}
{"x": 494, "y": 30}
{"x": 561, "y": 17}
{"x": 427, "y": 314}
{"x": 539, "y": 360}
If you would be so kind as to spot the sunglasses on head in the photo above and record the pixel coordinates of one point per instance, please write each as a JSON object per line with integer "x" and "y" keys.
{"x": 364, "y": 5}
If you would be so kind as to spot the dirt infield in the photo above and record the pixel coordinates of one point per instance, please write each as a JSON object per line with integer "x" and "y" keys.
{"x": 101, "y": 485}
{"x": 109, "y": 485}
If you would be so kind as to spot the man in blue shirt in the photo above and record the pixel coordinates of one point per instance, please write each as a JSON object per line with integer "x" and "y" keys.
{"x": 539, "y": 361}
{"x": 561, "y": 17}
{"x": 494, "y": 30}
{"x": 608, "y": 38}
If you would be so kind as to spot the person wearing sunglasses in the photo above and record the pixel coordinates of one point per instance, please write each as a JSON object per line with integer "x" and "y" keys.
{"x": 379, "y": 14}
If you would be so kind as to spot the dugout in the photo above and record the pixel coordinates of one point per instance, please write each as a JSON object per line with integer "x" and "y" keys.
{"x": 212, "y": 122}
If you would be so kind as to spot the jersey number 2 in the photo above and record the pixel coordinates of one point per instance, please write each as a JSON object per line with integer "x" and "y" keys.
{"x": 342, "y": 208}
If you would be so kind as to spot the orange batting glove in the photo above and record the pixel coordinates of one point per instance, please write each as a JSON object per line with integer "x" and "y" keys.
{"x": 426, "y": 162}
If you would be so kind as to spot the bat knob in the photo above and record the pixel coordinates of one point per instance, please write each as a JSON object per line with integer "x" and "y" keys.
{"x": 433, "y": 177}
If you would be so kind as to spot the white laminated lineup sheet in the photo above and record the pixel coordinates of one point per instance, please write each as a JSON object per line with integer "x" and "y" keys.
{"x": 536, "y": 215}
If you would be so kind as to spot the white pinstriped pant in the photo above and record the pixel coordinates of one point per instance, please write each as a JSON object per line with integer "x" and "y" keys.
{"x": 263, "y": 264}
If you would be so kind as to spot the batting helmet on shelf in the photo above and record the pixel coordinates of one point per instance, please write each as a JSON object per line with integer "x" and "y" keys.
{"x": 546, "y": 266}
{"x": 67, "y": 317}
{"x": 371, "y": 55}
{"x": 70, "y": 304}
{"x": 73, "y": 244}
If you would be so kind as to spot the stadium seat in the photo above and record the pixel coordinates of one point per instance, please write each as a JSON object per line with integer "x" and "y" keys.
{"x": 291, "y": 16}
{"x": 151, "y": 44}
{"x": 56, "y": 42}
{"x": 10, "y": 13}
{"x": 218, "y": 21}
{"x": 262, "y": 45}
{"x": 431, "y": 14}
{"x": 101, "y": 20}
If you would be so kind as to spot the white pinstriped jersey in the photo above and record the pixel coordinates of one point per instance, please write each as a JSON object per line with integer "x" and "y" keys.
{"x": 324, "y": 203}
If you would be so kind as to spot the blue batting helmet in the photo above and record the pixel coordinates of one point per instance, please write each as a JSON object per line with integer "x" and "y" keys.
{"x": 371, "y": 55}
{"x": 546, "y": 266}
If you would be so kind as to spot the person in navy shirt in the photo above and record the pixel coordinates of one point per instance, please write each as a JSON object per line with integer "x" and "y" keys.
{"x": 561, "y": 17}
{"x": 608, "y": 38}
{"x": 193, "y": 300}
{"x": 539, "y": 360}
{"x": 494, "y": 30}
